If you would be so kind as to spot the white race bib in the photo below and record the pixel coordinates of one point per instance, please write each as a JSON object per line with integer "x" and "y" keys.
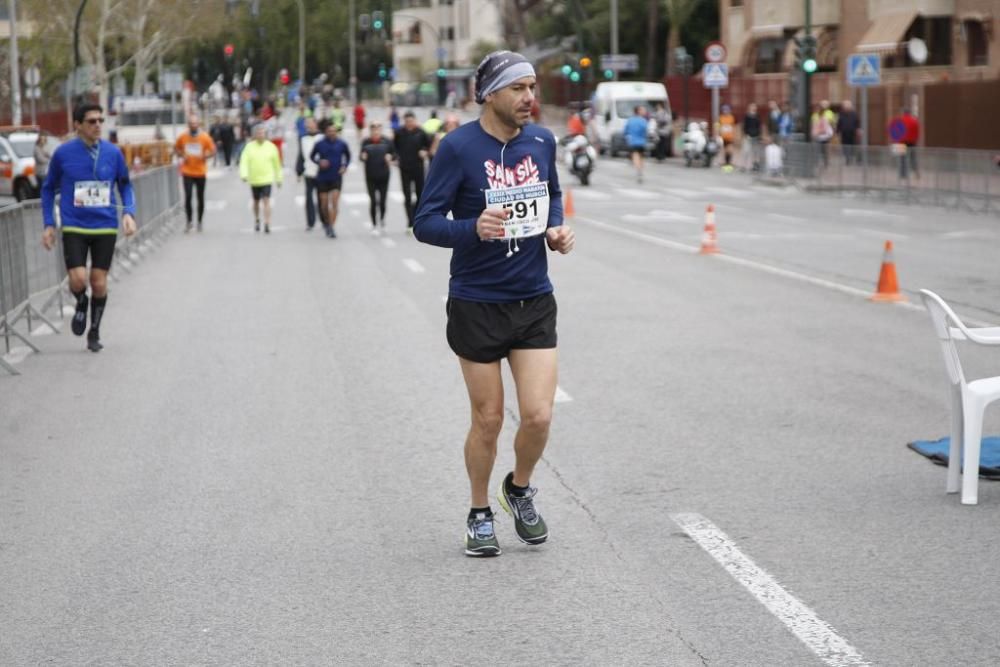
{"x": 90, "y": 194}
{"x": 529, "y": 206}
{"x": 193, "y": 149}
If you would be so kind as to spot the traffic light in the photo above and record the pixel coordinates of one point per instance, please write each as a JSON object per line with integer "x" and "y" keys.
{"x": 805, "y": 54}
{"x": 585, "y": 62}
{"x": 609, "y": 74}
{"x": 574, "y": 77}
{"x": 566, "y": 69}
{"x": 364, "y": 21}
{"x": 382, "y": 71}
{"x": 378, "y": 20}
{"x": 441, "y": 73}
{"x": 284, "y": 77}
{"x": 228, "y": 50}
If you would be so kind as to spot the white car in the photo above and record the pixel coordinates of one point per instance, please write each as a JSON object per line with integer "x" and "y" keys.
{"x": 17, "y": 162}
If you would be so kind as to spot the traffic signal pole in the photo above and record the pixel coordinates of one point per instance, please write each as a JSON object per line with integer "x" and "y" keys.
{"x": 807, "y": 81}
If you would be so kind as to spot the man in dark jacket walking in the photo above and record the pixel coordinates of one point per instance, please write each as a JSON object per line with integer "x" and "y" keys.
{"x": 849, "y": 129}
{"x": 412, "y": 145}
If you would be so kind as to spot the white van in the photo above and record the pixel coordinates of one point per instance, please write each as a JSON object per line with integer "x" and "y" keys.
{"x": 614, "y": 103}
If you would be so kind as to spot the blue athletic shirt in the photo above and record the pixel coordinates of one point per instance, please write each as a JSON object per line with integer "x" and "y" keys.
{"x": 636, "y": 128}
{"x": 337, "y": 152}
{"x": 73, "y": 162}
{"x": 468, "y": 161}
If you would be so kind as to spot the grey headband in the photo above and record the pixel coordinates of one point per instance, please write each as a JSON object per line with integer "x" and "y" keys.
{"x": 498, "y": 70}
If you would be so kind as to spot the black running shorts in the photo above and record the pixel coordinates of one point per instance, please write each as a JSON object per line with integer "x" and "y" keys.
{"x": 327, "y": 186}
{"x": 487, "y": 332}
{"x": 100, "y": 246}
{"x": 261, "y": 192}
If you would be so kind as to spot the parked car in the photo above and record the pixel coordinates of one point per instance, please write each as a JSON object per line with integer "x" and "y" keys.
{"x": 17, "y": 161}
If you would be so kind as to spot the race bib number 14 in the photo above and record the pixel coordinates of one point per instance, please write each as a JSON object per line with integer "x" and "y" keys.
{"x": 528, "y": 206}
{"x": 90, "y": 194}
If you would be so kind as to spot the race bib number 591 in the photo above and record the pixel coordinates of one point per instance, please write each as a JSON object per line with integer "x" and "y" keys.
{"x": 528, "y": 206}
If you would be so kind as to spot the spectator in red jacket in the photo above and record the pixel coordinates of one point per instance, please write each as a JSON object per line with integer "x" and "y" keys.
{"x": 359, "y": 116}
{"x": 904, "y": 133}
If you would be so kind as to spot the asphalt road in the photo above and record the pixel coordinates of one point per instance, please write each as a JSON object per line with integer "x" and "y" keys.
{"x": 264, "y": 465}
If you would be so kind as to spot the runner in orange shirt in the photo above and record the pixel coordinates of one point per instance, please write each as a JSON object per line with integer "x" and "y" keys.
{"x": 194, "y": 147}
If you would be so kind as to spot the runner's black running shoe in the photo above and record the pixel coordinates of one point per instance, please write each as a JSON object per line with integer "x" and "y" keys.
{"x": 94, "y": 341}
{"x": 79, "y": 323}
{"x": 528, "y": 523}
{"x": 480, "y": 538}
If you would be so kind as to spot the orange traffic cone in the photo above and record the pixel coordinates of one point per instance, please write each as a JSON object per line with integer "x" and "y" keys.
{"x": 709, "y": 240}
{"x": 888, "y": 286}
{"x": 568, "y": 210}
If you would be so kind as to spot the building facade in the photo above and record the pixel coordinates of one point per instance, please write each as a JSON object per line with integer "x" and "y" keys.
{"x": 432, "y": 34}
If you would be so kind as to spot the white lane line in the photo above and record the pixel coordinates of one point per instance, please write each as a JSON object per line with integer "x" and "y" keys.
{"x": 882, "y": 234}
{"x": 562, "y": 396}
{"x": 388, "y": 243}
{"x": 729, "y": 192}
{"x": 685, "y": 194}
{"x": 785, "y": 218}
{"x": 396, "y": 196}
{"x": 659, "y": 216}
{"x": 635, "y": 193}
{"x": 355, "y": 212}
{"x": 803, "y": 622}
{"x": 869, "y": 213}
{"x": 592, "y": 195}
{"x": 414, "y": 265}
{"x": 300, "y": 201}
{"x": 217, "y": 204}
{"x": 353, "y": 198}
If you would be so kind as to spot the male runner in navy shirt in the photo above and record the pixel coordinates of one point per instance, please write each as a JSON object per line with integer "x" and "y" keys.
{"x": 497, "y": 177}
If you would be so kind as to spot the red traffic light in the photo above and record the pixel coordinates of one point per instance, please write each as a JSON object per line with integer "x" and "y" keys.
{"x": 228, "y": 49}
{"x": 284, "y": 77}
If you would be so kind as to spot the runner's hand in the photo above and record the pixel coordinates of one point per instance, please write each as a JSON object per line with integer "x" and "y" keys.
{"x": 489, "y": 226}
{"x": 128, "y": 224}
{"x": 49, "y": 238}
{"x": 560, "y": 238}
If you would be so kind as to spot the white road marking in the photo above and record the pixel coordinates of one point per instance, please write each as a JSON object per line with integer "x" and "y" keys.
{"x": 593, "y": 195}
{"x": 684, "y": 193}
{"x": 562, "y": 396}
{"x": 882, "y": 234}
{"x": 355, "y": 212}
{"x": 388, "y": 243}
{"x": 967, "y": 234}
{"x": 396, "y": 196}
{"x": 300, "y": 201}
{"x": 635, "y": 193}
{"x": 787, "y": 218}
{"x": 659, "y": 216}
{"x": 869, "y": 213}
{"x": 17, "y": 354}
{"x": 729, "y": 192}
{"x": 803, "y": 622}
{"x": 42, "y": 330}
{"x": 767, "y": 268}
{"x": 216, "y": 204}
{"x": 353, "y": 198}
{"x": 414, "y": 265}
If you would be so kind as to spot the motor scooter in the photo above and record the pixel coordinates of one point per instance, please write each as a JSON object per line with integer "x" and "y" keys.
{"x": 580, "y": 157}
{"x": 698, "y": 145}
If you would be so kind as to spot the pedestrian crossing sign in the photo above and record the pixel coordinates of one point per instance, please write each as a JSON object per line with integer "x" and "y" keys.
{"x": 863, "y": 69}
{"x": 715, "y": 75}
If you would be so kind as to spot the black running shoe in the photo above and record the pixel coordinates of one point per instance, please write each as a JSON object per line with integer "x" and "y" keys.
{"x": 94, "y": 341}
{"x": 267, "y": 229}
{"x": 256, "y": 225}
{"x": 528, "y": 523}
{"x": 79, "y": 324}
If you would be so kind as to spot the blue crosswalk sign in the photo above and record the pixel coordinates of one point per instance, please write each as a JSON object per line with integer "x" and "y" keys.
{"x": 864, "y": 69}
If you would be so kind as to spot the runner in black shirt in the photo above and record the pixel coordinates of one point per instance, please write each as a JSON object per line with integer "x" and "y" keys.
{"x": 412, "y": 146}
{"x": 377, "y": 153}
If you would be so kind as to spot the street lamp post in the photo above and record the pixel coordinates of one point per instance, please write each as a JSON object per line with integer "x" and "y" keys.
{"x": 302, "y": 42}
{"x": 354, "y": 56}
{"x": 15, "y": 74}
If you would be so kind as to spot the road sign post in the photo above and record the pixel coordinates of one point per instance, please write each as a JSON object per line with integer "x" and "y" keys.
{"x": 32, "y": 77}
{"x": 620, "y": 62}
{"x": 715, "y": 75}
{"x": 863, "y": 70}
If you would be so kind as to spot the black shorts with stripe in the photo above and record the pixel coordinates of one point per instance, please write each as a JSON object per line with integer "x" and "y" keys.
{"x": 487, "y": 332}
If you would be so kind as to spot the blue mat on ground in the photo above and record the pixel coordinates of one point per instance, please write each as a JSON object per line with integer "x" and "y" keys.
{"x": 937, "y": 451}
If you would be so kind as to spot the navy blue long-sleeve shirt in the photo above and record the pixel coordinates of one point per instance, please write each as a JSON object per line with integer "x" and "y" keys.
{"x": 74, "y": 163}
{"x": 337, "y": 152}
{"x": 468, "y": 162}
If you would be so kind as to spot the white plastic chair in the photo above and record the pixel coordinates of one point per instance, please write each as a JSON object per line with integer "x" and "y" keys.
{"x": 968, "y": 399}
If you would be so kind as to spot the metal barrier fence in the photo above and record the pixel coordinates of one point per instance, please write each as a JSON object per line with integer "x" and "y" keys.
{"x": 964, "y": 179}
{"x": 33, "y": 280}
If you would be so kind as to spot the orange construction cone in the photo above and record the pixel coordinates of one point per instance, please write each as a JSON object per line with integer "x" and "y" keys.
{"x": 568, "y": 210}
{"x": 709, "y": 240}
{"x": 888, "y": 286}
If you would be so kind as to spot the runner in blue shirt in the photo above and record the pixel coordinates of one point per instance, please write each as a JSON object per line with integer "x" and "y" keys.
{"x": 332, "y": 154}
{"x": 84, "y": 172}
{"x": 497, "y": 180}
{"x": 636, "y": 129}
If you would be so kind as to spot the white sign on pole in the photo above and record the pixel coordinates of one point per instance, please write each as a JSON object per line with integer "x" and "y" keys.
{"x": 620, "y": 62}
{"x": 863, "y": 69}
{"x": 715, "y": 75}
{"x": 33, "y": 93}
{"x": 32, "y": 76}
{"x": 171, "y": 81}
